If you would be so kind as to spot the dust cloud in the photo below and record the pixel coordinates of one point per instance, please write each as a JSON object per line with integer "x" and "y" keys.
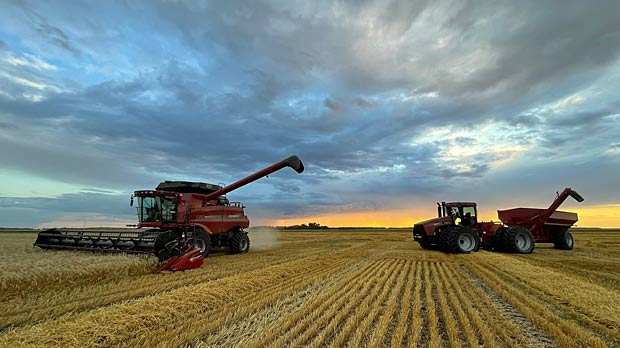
{"x": 263, "y": 238}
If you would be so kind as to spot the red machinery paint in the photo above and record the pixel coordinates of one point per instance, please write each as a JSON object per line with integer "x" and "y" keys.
{"x": 457, "y": 230}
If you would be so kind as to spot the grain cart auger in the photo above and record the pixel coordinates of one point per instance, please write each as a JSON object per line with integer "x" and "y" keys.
{"x": 457, "y": 230}
{"x": 174, "y": 220}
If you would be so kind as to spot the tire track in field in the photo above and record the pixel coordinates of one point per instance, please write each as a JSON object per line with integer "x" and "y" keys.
{"x": 475, "y": 329}
{"x": 565, "y": 332}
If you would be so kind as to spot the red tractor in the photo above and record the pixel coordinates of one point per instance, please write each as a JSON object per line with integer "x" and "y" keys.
{"x": 174, "y": 219}
{"x": 457, "y": 229}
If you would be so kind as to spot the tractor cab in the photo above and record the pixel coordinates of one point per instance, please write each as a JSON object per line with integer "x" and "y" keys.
{"x": 155, "y": 206}
{"x": 461, "y": 213}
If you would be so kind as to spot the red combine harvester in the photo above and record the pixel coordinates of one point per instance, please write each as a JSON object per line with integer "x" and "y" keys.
{"x": 179, "y": 221}
{"x": 457, "y": 230}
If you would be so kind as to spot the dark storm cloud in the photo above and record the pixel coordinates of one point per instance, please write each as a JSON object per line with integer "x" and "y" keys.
{"x": 52, "y": 33}
{"x": 213, "y": 91}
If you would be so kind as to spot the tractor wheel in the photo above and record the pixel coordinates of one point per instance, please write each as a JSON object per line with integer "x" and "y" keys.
{"x": 239, "y": 242}
{"x": 518, "y": 239}
{"x": 442, "y": 237}
{"x": 428, "y": 246}
{"x": 202, "y": 241}
{"x": 563, "y": 239}
{"x": 461, "y": 240}
{"x": 499, "y": 243}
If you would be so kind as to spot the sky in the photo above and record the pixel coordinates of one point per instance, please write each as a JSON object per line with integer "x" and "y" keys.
{"x": 391, "y": 105}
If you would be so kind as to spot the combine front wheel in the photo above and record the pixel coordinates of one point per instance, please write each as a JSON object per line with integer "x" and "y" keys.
{"x": 240, "y": 242}
{"x": 563, "y": 239}
{"x": 202, "y": 241}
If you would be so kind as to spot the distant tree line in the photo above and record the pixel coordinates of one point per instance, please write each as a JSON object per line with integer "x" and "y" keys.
{"x": 309, "y": 226}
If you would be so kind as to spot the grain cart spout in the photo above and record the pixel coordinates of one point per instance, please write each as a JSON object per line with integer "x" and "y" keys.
{"x": 174, "y": 220}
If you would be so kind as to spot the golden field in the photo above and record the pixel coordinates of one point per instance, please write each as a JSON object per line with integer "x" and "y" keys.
{"x": 354, "y": 288}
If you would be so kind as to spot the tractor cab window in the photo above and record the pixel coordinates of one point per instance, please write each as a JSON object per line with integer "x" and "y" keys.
{"x": 469, "y": 216}
{"x": 454, "y": 213}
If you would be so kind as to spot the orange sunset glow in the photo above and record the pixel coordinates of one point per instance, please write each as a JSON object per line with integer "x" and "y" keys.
{"x": 604, "y": 216}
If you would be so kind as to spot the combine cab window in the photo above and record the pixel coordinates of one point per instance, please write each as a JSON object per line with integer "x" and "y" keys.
{"x": 156, "y": 208}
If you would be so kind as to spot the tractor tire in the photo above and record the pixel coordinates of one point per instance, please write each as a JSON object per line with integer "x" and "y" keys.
{"x": 202, "y": 241}
{"x": 442, "y": 237}
{"x": 428, "y": 246}
{"x": 461, "y": 240}
{"x": 563, "y": 239}
{"x": 518, "y": 240}
{"x": 499, "y": 243}
{"x": 239, "y": 242}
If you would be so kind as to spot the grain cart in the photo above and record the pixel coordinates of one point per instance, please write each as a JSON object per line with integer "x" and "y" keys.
{"x": 457, "y": 230}
{"x": 173, "y": 220}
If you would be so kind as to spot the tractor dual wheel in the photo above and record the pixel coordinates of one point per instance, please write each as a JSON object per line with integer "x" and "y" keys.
{"x": 498, "y": 243}
{"x": 428, "y": 246}
{"x": 517, "y": 239}
{"x": 563, "y": 239}
{"x": 239, "y": 242}
{"x": 460, "y": 240}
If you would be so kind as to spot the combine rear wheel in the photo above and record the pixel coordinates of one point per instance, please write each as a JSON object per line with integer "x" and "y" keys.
{"x": 461, "y": 240}
{"x": 563, "y": 239}
{"x": 239, "y": 242}
{"x": 517, "y": 239}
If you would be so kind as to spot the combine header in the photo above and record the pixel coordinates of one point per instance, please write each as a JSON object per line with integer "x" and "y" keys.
{"x": 457, "y": 230}
{"x": 174, "y": 220}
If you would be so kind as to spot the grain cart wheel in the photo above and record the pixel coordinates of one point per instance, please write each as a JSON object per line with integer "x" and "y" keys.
{"x": 239, "y": 242}
{"x": 461, "y": 240}
{"x": 518, "y": 239}
{"x": 202, "y": 241}
{"x": 563, "y": 239}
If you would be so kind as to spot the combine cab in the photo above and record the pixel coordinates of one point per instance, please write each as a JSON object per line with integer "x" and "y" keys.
{"x": 174, "y": 216}
{"x": 457, "y": 230}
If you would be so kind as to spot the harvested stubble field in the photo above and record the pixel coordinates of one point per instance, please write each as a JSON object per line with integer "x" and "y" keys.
{"x": 330, "y": 288}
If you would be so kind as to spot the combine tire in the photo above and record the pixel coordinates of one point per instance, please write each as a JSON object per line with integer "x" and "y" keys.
{"x": 563, "y": 239}
{"x": 461, "y": 240}
{"x": 239, "y": 242}
{"x": 202, "y": 241}
{"x": 517, "y": 239}
{"x": 166, "y": 245}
